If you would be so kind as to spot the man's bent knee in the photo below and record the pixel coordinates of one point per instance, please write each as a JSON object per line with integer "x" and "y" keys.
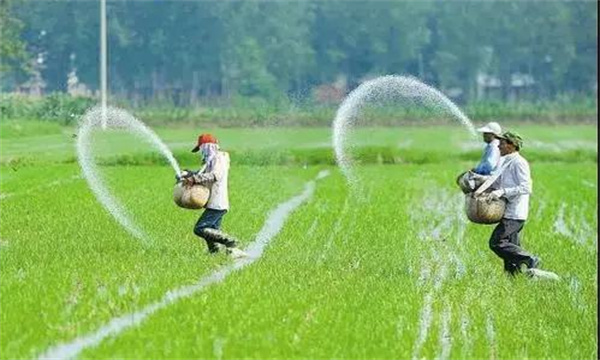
{"x": 199, "y": 230}
{"x": 496, "y": 247}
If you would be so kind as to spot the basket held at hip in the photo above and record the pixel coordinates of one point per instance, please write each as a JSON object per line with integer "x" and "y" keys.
{"x": 190, "y": 196}
{"x": 483, "y": 209}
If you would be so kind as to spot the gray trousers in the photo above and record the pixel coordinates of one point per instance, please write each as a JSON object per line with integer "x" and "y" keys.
{"x": 505, "y": 243}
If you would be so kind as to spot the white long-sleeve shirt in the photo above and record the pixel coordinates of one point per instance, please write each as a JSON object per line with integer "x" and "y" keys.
{"x": 216, "y": 181}
{"x": 516, "y": 182}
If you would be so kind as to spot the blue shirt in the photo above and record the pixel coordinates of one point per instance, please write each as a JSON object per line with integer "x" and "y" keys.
{"x": 489, "y": 160}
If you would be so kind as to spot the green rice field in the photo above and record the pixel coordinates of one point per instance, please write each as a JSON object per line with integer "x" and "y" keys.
{"x": 391, "y": 269}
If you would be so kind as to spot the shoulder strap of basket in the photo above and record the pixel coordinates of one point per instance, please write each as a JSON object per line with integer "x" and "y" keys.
{"x": 492, "y": 178}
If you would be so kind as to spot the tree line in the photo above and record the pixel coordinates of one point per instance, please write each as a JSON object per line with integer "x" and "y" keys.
{"x": 186, "y": 51}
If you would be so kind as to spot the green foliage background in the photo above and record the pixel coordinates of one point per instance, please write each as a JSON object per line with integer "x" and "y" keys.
{"x": 195, "y": 52}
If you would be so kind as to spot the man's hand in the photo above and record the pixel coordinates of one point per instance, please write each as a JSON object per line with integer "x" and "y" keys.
{"x": 496, "y": 194}
{"x": 186, "y": 177}
{"x": 188, "y": 181}
{"x": 184, "y": 174}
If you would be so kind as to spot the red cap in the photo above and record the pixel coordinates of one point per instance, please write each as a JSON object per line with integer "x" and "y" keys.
{"x": 205, "y": 139}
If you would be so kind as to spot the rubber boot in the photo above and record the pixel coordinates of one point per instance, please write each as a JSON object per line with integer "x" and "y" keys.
{"x": 218, "y": 236}
{"x": 213, "y": 248}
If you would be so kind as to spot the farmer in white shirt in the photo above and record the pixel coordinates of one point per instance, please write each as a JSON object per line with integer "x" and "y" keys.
{"x": 214, "y": 176}
{"x": 491, "y": 154}
{"x": 514, "y": 184}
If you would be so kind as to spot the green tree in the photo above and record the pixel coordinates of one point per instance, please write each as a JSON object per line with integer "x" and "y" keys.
{"x": 13, "y": 53}
{"x": 363, "y": 38}
{"x": 582, "y": 73}
{"x": 459, "y": 55}
{"x": 184, "y": 51}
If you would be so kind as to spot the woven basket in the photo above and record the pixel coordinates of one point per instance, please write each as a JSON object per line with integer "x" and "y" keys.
{"x": 483, "y": 210}
{"x": 190, "y": 196}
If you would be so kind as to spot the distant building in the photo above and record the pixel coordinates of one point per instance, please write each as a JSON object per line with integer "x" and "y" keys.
{"x": 489, "y": 86}
{"x": 76, "y": 88}
{"x": 35, "y": 85}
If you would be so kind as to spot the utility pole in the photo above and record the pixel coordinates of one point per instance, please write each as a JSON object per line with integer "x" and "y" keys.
{"x": 103, "y": 50}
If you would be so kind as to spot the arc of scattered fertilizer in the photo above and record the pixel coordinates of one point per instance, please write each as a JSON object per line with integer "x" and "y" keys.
{"x": 372, "y": 90}
{"x": 119, "y": 119}
{"x": 114, "y": 327}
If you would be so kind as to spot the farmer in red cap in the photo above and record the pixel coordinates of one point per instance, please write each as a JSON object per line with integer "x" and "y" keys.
{"x": 213, "y": 175}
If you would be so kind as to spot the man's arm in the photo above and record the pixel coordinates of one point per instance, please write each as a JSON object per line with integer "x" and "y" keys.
{"x": 212, "y": 176}
{"x": 524, "y": 185}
